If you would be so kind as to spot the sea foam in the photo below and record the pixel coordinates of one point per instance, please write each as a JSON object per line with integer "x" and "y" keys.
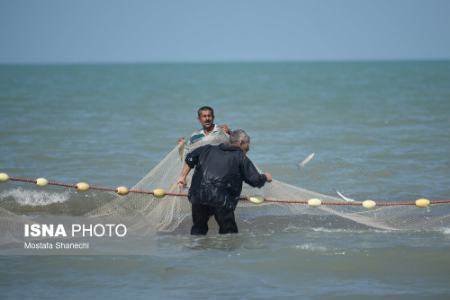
{"x": 34, "y": 198}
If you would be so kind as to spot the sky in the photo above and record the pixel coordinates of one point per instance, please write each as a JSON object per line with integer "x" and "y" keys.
{"x": 102, "y": 31}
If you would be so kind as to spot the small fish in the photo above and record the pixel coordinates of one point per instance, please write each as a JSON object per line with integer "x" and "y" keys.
{"x": 306, "y": 160}
{"x": 345, "y": 198}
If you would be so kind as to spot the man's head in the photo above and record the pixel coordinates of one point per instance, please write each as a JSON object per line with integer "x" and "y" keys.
{"x": 206, "y": 117}
{"x": 240, "y": 138}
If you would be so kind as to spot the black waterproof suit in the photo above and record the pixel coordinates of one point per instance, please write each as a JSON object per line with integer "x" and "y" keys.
{"x": 217, "y": 184}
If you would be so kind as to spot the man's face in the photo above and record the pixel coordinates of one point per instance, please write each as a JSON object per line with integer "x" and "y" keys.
{"x": 206, "y": 119}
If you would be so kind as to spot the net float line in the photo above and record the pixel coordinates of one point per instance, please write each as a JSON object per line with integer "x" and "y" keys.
{"x": 83, "y": 186}
{"x": 160, "y": 193}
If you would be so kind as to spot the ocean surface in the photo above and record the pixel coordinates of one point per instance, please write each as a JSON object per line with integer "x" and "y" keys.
{"x": 379, "y": 130}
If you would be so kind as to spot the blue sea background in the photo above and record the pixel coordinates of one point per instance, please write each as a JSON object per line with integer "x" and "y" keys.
{"x": 379, "y": 130}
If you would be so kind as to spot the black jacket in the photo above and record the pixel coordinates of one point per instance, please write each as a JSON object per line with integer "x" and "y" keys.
{"x": 219, "y": 173}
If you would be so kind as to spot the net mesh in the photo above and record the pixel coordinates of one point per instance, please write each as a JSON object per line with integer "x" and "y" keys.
{"x": 168, "y": 214}
{"x": 145, "y": 215}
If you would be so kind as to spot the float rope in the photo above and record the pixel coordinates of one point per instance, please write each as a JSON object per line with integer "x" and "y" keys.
{"x": 159, "y": 193}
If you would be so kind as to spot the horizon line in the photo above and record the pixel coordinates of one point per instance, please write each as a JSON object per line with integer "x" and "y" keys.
{"x": 224, "y": 61}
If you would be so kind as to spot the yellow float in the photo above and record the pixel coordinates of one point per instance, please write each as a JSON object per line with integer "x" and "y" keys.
{"x": 422, "y": 203}
{"x": 256, "y": 199}
{"x": 41, "y": 181}
{"x": 4, "y": 177}
{"x": 159, "y": 193}
{"x": 122, "y": 190}
{"x": 369, "y": 204}
{"x": 313, "y": 202}
{"x": 82, "y": 186}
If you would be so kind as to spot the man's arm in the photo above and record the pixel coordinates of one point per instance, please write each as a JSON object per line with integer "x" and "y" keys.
{"x": 189, "y": 163}
{"x": 251, "y": 174}
{"x": 184, "y": 173}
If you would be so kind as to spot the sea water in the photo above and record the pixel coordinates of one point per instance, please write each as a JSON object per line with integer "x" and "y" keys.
{"x": 379, "y": 130}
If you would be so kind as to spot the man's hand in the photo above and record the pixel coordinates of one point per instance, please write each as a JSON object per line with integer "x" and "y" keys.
{"x": 268, "y": 176}
{"x": 184, "y": 173}
{"x": 225, "y": 128}
{"x": 181, "y": 141}
{"x": 181, "y": 181}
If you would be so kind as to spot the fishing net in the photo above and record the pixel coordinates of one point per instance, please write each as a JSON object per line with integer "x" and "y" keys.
{"x": 145, "y": 214}
{"x": 172, "y": 213}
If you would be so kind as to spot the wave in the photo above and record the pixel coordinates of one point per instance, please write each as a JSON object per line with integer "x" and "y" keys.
{"x": 34, "y": 198}
{"x": 338, "y": 230}
{"x": 445, "y": 230}
{"x": 311, "y": 247}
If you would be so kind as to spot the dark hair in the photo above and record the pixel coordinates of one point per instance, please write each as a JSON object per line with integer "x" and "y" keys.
{"x": 205, "y": 108}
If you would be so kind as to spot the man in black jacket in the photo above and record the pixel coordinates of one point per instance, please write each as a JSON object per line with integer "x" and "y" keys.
{"x": 217, "y": 181}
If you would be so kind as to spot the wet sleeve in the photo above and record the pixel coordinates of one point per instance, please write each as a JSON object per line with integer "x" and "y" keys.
{"x": 193, "y": 156}
{"x": 251, "y": 175}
